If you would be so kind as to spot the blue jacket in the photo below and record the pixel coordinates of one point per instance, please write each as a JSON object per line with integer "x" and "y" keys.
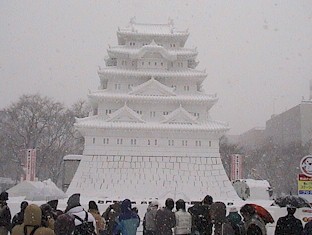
{"x": 128, "y": 221}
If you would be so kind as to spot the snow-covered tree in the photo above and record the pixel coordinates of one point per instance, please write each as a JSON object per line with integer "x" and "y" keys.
{"x": 41, "y": 123}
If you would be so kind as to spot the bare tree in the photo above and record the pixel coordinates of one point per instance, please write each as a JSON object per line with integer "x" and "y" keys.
{"x": 40, "y": 123}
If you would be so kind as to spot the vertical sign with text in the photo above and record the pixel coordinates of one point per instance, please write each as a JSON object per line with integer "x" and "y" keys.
{"x": 30, "y": 166}
{"x": 236, "y": 167}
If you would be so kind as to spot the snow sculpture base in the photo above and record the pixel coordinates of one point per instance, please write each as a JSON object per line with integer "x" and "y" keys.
{"x": 145, "y": 177}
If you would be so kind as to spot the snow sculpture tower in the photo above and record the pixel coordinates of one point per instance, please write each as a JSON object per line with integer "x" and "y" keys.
{"x": 150, "y": 134}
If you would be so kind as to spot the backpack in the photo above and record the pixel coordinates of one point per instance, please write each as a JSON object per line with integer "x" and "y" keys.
{"x": 239, "y": 228}
{"x": 33, "y": 231}
{"x": 85, "y": 228}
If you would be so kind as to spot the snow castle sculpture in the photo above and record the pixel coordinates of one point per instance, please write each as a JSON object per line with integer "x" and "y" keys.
{"x": 150, "y": 134}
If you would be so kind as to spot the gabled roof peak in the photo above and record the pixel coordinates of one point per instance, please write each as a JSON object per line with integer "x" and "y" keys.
{"x": 180, "y": 116}
{"x": 152, "y": 87}
{"x": 125, "y": 114}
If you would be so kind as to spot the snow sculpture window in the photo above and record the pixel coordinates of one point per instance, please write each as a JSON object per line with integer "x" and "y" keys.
{"x": 93, "y": 140}
{"x": 105, "y": 141}
{"x": 148, "y": 142}
{"x": 133, "y": 141}
{"x": 209, "y": 143}
{"x": 186, "y": 88}
{"x": 155, "y": 142}
{"x": 152, "y": 114}
{"x": 184, "y": 142}
{"x": 171, "y": 142}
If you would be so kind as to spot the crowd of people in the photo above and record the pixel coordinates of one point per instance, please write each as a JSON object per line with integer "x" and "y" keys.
{"x": 120, "y": 218}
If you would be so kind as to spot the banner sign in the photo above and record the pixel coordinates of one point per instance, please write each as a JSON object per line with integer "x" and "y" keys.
{"x": 236, "y": 167}
{"x": 305, "y": 187}
{"x": 29, "y": 165}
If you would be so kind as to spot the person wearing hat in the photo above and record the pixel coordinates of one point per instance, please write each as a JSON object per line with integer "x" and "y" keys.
{"x": 5, "y": 214}
{"x": 128, "y": 221}
{"x": 32, "y": 223}
{"x": 289, "y": 224}
{"x": 149, "y": 220}
{"x": 235, "y": 220}
{"x": 76, "y": 210}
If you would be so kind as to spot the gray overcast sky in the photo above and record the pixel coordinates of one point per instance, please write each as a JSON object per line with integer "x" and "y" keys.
{"x": 256, "y": 52}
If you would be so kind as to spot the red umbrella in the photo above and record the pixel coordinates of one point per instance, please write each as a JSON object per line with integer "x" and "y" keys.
{"x": 263, "y": 213}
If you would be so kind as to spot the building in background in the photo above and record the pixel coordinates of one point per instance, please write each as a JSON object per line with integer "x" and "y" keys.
{"x": 252, "y": 139}
{"x": 293, "y": 125}
{"x": 150, "y": 134}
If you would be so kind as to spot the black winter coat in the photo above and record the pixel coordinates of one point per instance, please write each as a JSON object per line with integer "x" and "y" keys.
{"x": 5, "y": 215}
{"x": 288, "y": 225}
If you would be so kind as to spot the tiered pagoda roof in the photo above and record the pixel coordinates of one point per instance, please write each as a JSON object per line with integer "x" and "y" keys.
{"x": 181, "y": 73}
{"x": 151, "y": 30}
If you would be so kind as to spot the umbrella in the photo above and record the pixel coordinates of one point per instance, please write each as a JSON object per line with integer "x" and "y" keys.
{"x": 293, "y": 201}
{"x": 263, "y": 213}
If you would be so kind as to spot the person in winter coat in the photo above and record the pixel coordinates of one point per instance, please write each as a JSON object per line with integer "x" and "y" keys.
{"x": 289, "y": 224}
{"x": 165, "y": 218}
{"x": 110, "y": 215}
{"x": 307, "y": 228}
{"x": 253, "y": 224}
{"x": 149, "y": 221}
{"x": 183, "y": 219}
{"x": 19, "y": 217}
{"x": 218, "y": 218}
{"x": 128, "y": 221}
{"x": 64, "y": 225}
{"x": 55, "y": 212}
{"x": 76, "y": 210}
{"x": 32, "y": 223}
{"x": 99, "y": 220}
{"x": 47, "y": 216}
{"x": 5, "y": 214}
{"x": 201, "y": 221}
{"x": 235, "y": 220}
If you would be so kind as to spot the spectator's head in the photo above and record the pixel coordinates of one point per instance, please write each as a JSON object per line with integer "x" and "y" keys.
{"x": 126, "y": 206}
{"x": 4, "y": 196}
{"x": 154, "y": 204}
{"x": 169, "y": 203}
{"x": 180, "y": 204}
{"x": 93, "y": 205}
{"x": 24, "y": 204}
{"x": 218, "y": 212}
{"x": 64, "y": 224}
{"x": 247, "y": 211}
{"x": 53, "y": 204}
{"x": 208, "y": 200}
{"x": 32, "y": 215}
{"x": 291, "y": 210}
{"x": 73, "y": 200}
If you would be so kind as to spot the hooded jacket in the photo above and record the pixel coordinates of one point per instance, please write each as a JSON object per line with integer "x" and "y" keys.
{"x": 221, "y": 224}
{"x": 127, "y": 221}
{"x": 32, "y": 219}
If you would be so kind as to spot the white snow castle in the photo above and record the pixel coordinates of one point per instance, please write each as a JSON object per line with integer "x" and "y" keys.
{"x": 150, "y": 134}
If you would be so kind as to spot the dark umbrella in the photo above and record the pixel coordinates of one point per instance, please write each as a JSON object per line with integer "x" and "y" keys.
{"x": 293, "y": 201}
